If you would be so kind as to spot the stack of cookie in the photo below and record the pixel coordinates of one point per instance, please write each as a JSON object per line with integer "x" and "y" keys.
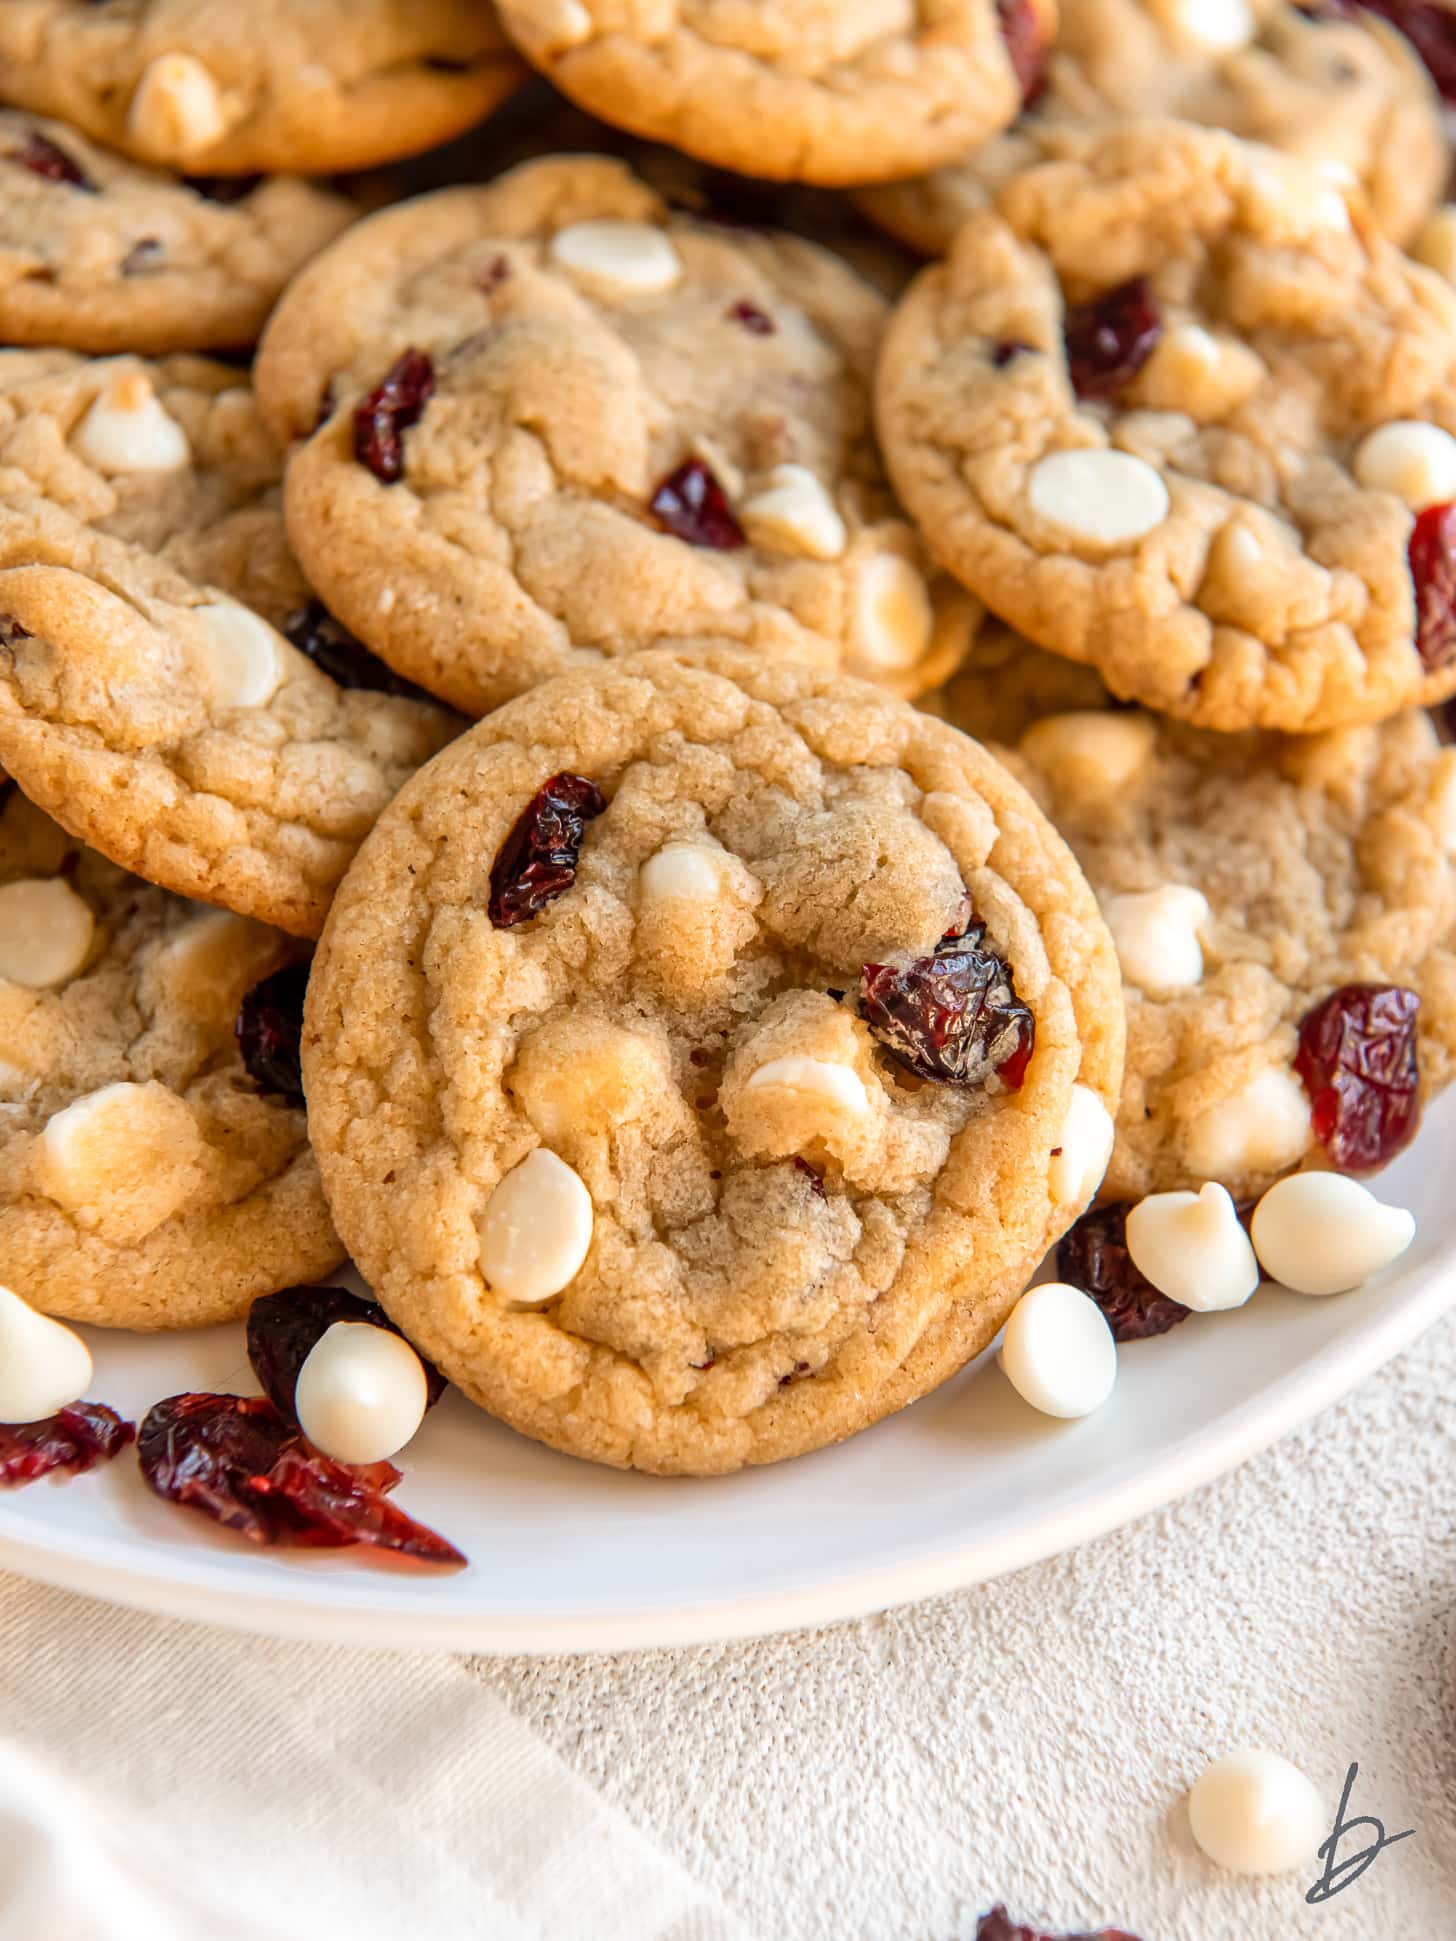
{"x": 704, "y": 1047}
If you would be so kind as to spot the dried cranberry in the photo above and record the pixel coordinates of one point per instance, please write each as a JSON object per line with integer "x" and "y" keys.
{"x": 335, "y": 652}
{"x": 269, "y": 1031}
{"x": 758, "y": 323}
{"x": 496, "y": 272}
{"x": 537, "y": 860}
{"x": 954, "y": 1016}
{"x": 395, "y": 404}
{"x": 285, "y": 1328}
{"x": 237, "y": 1460}
{"x": 813, "y": 1175}
{"x": 41, "y": 157}
{"x": 72, "y": 1440}
{"x": 999, "y": 1926}
{"x": 1026, "y": 44}
{"x": 1430, "y": 29}
{"x": 692, "y": 505}
{"x": 1110, "y": 339}
{"x": 1008, "y": 350}
{"x": 1358, "y": 1060}
{"x": 1094, "y": 1257}
{"x": 1432, "y": 556}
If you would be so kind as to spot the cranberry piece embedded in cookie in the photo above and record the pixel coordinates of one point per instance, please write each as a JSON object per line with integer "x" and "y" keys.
{"x": 314, "y": 631}
{"x": 269, "y": 1030}
{"x": 1358, "y": 1059}
{"x": 537, "y": 860}
{"x": 72, "y": 1440}
{"x": 1094, "y": 1257}
{"x": 953, "y": 1017}
{"x": 395, "y": 404}
{"x": 285, "y": 1328}
{"x": 1110, "y": 339}
{"x": 758, "y": 323}
{"x": 1026, "y": 44}
{"x": 1007, "y": 351}
{"x": 1432, "y": 555}
{"x": 42, "y": 157}
{"x": 692, "y": 505}
{"x": 999, "y": 1926}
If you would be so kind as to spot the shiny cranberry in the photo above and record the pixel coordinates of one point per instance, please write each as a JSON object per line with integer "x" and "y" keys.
{"x": 1358, "y": 1059}
{"x": 1093, "y": 1255}
{"x": 285, "y": 1328}
{"x": 395, "y": 404}
{"x": 758, "y": 323}
{"x": 1026, "y": 44}
{"x": 1432, "y": 556}
{"x": 335, "y": 652}
{"x": 235, "y": 1459}
{"x": 692, "y": 505}
{"x": 953, "y": 1017}
{"x": 269, "y": 1032}
{"x": 999, "y": 1926}
{"x": 1110, "y": 339}
{"x": 41, "y": 157}
{"x": 537, "y": 860}
{"x": 72, "y": 1440}
{"x": 1429, "y": 28}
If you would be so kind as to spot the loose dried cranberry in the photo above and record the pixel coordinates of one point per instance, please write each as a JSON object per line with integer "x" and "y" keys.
{"x": 537, "y": 860}
{"x": 692, "y": 505}
{"x": 335, "y": 652}
{"x": 1094, "y": 1257}
{"x": 1430, "y": 29}
{"x": 954, "y": 1016}
{"x": 237, "y": 1460}
{"x": 813, "y": 1175}
{"x": 1358, "y": 1060}
{"x": 1432, "y": 556}
{"x": 41, "y": 157}
{"x": 269, "y": 1031}
{"x": 1026, "y": 44}
{"x": 72, "y": 1440}
{"x": 398, "y": 402}
{"x": 1110, "y": 339}
{"x": 999, "y": 1926}
{"x": 757, "y": 322}
{"x": 285, "y": 1328}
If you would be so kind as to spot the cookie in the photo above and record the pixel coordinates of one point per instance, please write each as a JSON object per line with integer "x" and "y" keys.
{"x": 802, "y": 90}
{"x": 701, "y": 1054}
{"x": 99, "y": 254}
{"x": 1173, "y": 408}
{"x": 177, "y": 732}
{"x": 279, "y": 85}
{"x": 1342, "y": 90}
{"x": 1246, "y": 878}
{"x": 561, "y": 422}
{"x": 149, "y": 1180}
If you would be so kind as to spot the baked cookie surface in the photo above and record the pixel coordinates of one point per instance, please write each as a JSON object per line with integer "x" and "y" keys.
{"x": 701, "y": 1054}
{"x": 101, "y": 254}
{"x": 211, "y": 86}
{"x": 148, "y": 1180}
{"x": 1173, "y": 408}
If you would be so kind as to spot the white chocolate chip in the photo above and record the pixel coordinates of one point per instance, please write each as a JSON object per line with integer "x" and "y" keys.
{"x": 1217, "y": 26}
{"x": 1255, "y": 1813}
{"x": 245, "y": 665}
{"x": 1058, "y": 1352}
{"x": 1156, "y": 934}
{"x": 630, "y": 256}
{"x": 45, "y": 932}
{"x": 816, "y": 1079}
{"x": 794, "y": 513}
{"x": 1101, "y": 497}
{"x": 1435, "y": 243}
{"x": 177, "y": 108}
{"x": 559, "y": 25}
{"x": 122, "y": 1159}
{"x": 127, "y": 429}
{"x": 1084, "y": 1146}
{"x": 43, "y": 1366}
{"x": 1259, "y": 1128}
{"x": 1321, "y": 1233}
{"x": 536, "y": 1229}
{"x": 893, "y": 616}
{"x": 1193, "y": 1249}
{"x": 1099, "y": 750}
{"x": 1193, "y": 370}
{"x": 361, "y": 1393}
{"x": 688, "y": 870}
{"x": 1414, "y": 460}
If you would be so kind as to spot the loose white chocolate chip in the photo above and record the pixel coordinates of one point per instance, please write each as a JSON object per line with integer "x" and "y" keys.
{"x": 1255, "y": 1813}
{"x": 536, "y": 1230}
{"x": 361, "y": 1393}
{"x": 1101, "y": 497}
{"x": 817, "y": 1079}
{"x": 45, "y": 932}
{"x": 685, "y": 870}
{"x": 794, "y": 513}
{"x": 43, "y": 1366}
{"x": 1415, "y": 461}
{"x": 630, "y": 256}
{"x": 245, "y": 665}
{"x": 1259, "y": 1128}
{"x": 1435, "y": 243}
{"x": 177, "y": 108}
{"x": 127, "y": 429}
{"x": 1058, "y": 1352}
{"x": 1217, "y": 26}
{"x": 1321, "y": 1233}
{"x": 1101, "y": 750}
{"x": 893, "y": 617}
{"x": 1193, "y": 1249}
{"x": 1084, "y": 1146}
{"x": 1156, "y": 934}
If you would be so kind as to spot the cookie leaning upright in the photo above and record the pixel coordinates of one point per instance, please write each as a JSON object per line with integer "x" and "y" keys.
{"x": 702, "y": 1052}
{"x": 1174, "y": 407}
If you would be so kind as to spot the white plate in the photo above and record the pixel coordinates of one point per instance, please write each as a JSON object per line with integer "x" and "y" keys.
{"x": 566, "y": 1557}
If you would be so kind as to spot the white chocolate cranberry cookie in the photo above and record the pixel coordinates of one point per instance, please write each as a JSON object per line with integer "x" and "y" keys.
{"x": 1342, "y": 89}
{"x": 147, "y": 1178}
{"x": 1247, "y": 880}
{"x": 560, "y": 422}
{"x": 100, "y": 254}
{"x": 702, "y": 1052}
{"x": 211, "y": 86}
{"x": 1174, "y": 408}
